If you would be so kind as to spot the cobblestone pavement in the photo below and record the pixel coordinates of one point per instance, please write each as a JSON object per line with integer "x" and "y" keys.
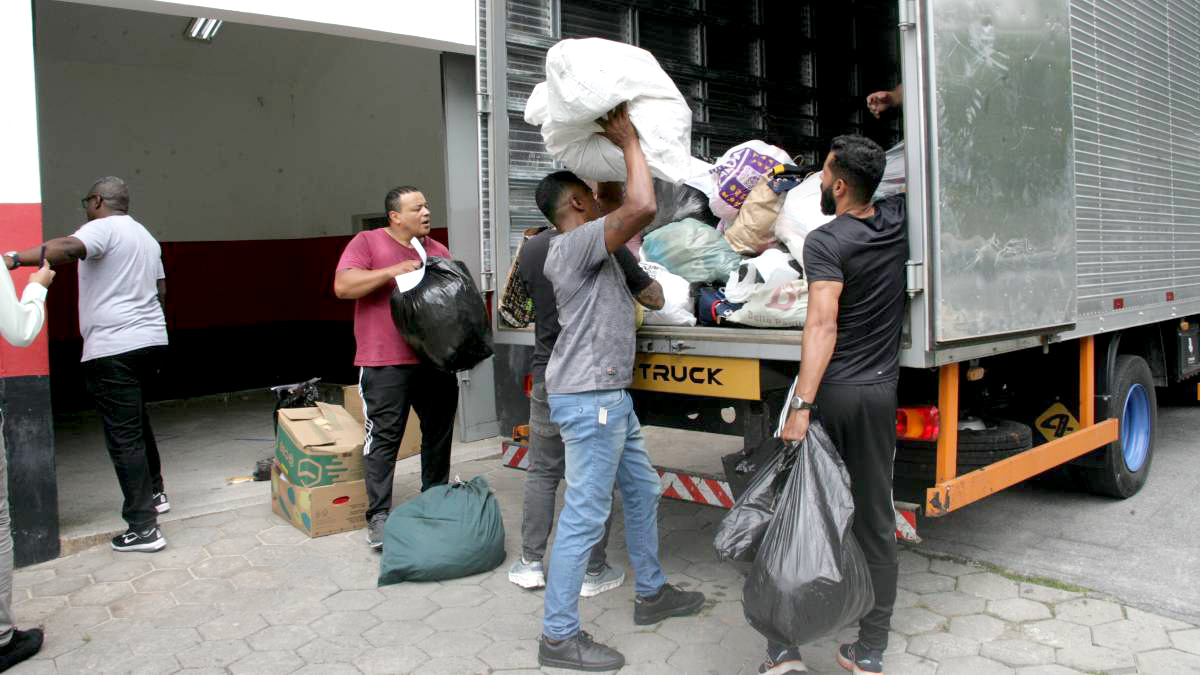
{"x": 243, "y": 592}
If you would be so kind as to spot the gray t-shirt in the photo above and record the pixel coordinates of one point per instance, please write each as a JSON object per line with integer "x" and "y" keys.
{"x": 118, "y": 288}
{"x": 595, "y": 348}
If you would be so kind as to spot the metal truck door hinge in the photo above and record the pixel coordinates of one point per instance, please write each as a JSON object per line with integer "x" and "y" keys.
{"x": 907, "y": 15}
{"x": 915, "y": 280}
{"x": 483, "y": 103}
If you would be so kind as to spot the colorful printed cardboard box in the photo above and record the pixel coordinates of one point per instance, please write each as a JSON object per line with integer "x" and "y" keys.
{"x": 319, "y": 511}
{"x": 319, "y": 446}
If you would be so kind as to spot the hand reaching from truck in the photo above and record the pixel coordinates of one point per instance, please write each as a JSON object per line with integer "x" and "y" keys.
{"x": 882, "y": 101}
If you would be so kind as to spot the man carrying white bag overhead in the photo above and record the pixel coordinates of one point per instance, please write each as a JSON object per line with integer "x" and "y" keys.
{"x": 585, "y": 79}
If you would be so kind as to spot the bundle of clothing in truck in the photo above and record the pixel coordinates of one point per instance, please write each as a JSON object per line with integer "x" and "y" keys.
{"x": 726, "y": 244}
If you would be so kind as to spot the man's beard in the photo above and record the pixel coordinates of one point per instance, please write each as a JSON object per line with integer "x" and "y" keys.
{"x": 828, "y": 203}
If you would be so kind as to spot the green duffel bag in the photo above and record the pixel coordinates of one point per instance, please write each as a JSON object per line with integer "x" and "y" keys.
{"x": 447, "y": 532}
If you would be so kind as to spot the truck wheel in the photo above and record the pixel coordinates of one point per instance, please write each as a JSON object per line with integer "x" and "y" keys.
{"x": 976, "y": 449}
{"x": 1126, "y": 461}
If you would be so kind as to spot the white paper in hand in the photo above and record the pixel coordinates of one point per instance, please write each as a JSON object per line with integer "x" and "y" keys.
{"x": 409, "y": 280}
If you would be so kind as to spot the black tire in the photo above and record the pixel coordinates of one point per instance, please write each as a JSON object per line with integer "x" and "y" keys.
{"x": 976, "y": 449}
{"x": 1115, "y": 478}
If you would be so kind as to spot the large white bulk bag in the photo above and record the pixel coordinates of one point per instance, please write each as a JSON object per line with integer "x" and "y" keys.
{"x": 585, "y": 79}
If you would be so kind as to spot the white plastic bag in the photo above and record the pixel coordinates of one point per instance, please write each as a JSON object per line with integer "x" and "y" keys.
{"x": 585, "y": 79}
{"x": 770, "y": 269}
{"x": 738, "y": 171}
{"x": 677, "y": 293}
{"x": 784, "y": 306}
{"x": 894, "y": 175}
{"x": 801, "y": 214}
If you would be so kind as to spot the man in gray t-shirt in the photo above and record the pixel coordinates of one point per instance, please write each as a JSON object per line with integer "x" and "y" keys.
{"x": 590, "y": 367}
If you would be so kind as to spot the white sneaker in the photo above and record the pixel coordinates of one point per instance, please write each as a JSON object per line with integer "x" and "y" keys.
{"x": 527, "y": 574}
{"x": 605, "y": 580}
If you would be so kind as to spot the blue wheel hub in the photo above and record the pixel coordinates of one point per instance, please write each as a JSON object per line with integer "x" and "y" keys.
{"x": 1135, "y": 428}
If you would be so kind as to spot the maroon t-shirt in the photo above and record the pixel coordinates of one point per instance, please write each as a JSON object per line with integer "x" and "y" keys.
{"x": 378, "y": 341}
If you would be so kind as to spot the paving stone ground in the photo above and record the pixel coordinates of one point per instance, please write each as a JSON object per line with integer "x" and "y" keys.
{"x": 243, "y": 592}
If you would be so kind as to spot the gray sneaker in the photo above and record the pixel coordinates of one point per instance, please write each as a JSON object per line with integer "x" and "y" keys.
{"x": 375, "y": 530}
{"x": 528, "y": 574}
{"x": 606, "y": 579}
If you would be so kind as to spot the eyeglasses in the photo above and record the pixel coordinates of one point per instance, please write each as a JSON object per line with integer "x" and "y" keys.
{"x": 84, "y": 202}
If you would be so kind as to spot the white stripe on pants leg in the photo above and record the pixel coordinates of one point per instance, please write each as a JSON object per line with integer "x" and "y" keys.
{"x": 366, "y": 415}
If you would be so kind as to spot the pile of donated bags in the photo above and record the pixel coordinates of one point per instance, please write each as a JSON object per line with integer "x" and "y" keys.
{"x": 727, "y": 242}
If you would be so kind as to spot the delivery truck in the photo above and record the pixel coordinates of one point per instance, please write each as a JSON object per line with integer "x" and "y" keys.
{"x": 1053, "y": 187}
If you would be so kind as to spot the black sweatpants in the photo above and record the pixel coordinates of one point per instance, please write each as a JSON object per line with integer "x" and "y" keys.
{"x": 118, "y": 387}
{"x": 387, "y": 393}
{"x": 861, "y": 421}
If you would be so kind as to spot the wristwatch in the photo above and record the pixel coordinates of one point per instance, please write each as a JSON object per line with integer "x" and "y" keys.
{"x": 16, "y": 262}
{"x": 798, "y": 403}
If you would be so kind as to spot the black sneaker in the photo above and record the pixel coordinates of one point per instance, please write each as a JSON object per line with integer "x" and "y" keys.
{"x": 160, "y": 502}
{"x": 668, "y": 602}
{"x": 578, "y": 652}
{"x": 858, "y": 659}
{"x": 24, "y": 644}
{"x": 375, "y": 530}
{"x": 782, "y": 663}
{"x": 148, "y": 540}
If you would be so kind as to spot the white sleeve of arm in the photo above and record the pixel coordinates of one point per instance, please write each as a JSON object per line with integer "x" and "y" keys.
{"x": 20, "y": 322}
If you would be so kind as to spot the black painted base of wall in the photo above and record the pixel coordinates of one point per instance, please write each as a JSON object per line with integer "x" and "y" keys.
{"x": 219, "y": 360}
{"x": 32, "y": 485}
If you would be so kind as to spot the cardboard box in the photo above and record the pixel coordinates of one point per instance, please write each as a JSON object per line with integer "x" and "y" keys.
{"x": 409, "y": 445}
{"x": 319, "y": 511}
{"x": 319, "y": 446}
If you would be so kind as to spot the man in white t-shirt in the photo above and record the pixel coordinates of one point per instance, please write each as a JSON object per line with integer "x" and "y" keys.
{"x": 122, "y": 288}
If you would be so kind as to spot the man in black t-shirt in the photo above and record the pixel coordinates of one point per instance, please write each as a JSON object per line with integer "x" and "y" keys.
{"x": 849, "y": 367}
{"x": 546, "y": 451}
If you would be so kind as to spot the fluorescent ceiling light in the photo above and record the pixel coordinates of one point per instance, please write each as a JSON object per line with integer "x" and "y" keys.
{"x": 203, "y": 30}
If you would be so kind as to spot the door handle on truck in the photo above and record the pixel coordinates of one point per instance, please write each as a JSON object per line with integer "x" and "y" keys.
{"x": 677, "y": 346}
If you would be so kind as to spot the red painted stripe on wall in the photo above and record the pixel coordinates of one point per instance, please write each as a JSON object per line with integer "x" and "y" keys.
{"x": 221, "y": 284}
{"x": 21, "y": 228}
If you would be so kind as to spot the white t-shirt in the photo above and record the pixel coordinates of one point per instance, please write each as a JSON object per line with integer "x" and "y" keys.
{"x": 118, "y": 288}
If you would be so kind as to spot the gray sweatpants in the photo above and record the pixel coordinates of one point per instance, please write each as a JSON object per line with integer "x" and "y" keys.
{"x": 547, "y": 463}
{"x": 6, "y": 547}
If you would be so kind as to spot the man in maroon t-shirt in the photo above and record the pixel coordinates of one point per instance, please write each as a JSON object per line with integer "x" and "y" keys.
{"x": 392, "y": 377}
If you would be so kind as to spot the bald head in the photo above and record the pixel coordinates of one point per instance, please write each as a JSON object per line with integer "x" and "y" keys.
{"x": 113, "y": 192}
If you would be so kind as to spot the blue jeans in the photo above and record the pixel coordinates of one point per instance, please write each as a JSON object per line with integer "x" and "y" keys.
{"x": 604, "y": 445}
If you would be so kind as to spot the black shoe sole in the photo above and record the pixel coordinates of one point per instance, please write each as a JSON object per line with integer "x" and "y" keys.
{"x": 571, "y": 665}
{"x": 683, "y": 610}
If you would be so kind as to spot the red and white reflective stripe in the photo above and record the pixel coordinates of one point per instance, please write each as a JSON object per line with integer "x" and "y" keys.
{"x": 515, "y": 455}
{"x": 700, "y": 489}
{"x": 695, "y": 488}
{"x": 906, "y": 526}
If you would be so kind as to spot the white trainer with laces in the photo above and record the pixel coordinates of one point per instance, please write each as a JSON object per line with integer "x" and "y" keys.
{"x": 606, "y": 579}
{"x": 528, "y": 574}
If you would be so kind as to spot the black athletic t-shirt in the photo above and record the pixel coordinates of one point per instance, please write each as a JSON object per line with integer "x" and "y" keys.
{"x": 531, "y": 265}
{"x": 868, "y": 257}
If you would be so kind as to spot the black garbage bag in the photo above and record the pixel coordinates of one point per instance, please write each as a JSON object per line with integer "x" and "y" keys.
{"x": 299, "y": 395}
{"x": 810, "y": 577}
{"x": 444, "y": 318}
{"x": 741, "y": 530}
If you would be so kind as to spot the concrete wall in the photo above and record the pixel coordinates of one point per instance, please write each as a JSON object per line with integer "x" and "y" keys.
{"x": 448, "y": 25}
{"x": 262, "y": 134}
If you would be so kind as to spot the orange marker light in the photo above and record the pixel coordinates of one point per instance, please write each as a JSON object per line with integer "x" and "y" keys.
{"x": 917, "y": 423}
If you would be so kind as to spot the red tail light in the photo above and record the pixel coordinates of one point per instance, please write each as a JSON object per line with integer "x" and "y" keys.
{"x": 528, "y": 385}
{"x": 917, "y": 423}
